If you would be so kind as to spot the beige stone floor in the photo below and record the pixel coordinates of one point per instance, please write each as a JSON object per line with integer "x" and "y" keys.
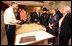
{"x": 4, "y": 40}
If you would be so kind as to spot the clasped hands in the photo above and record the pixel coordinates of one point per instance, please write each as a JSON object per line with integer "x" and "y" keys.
{"x": 50, "y": 26}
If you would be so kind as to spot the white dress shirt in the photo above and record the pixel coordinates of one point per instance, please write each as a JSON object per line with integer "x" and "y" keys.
{"x": 60, "y": 21}
{"x": 9, "y": 16}
{"x": 37, "y": 14}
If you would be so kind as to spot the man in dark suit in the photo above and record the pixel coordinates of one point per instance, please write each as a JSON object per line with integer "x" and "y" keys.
{"x": 44, "y": 18}
{"x": 35, "y": 16}
{"x": 59, "y": 13}
{"x": 47, "y": 11}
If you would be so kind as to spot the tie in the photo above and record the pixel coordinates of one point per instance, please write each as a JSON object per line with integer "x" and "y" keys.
{"x": 37, "y": 13}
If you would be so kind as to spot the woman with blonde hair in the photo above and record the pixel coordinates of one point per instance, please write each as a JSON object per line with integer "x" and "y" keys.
{"x": 53, "y": 24}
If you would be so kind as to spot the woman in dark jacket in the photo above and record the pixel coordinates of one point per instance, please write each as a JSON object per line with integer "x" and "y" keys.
{"x": 65, "y": 27}
{"x": 53, "y": 24}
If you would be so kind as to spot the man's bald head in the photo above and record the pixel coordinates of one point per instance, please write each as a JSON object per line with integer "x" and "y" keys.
{"x": 37, "y": 9}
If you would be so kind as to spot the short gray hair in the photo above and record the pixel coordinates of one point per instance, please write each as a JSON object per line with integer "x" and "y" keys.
{"x": 67, "y": 8}
{"x": 13, "y": 3}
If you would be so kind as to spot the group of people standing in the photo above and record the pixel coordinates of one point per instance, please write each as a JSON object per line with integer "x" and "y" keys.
{"x": 23, "y": 16}
{"x": 55, "y": 22}
{"x": 50, "y": 21}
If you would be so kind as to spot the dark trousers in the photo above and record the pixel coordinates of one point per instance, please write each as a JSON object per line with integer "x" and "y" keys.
{"x": 53, "y": 32}
{"x": 64, "y": 40}
{"x": 10, "y": 30}
{"x": 52, "y": 40}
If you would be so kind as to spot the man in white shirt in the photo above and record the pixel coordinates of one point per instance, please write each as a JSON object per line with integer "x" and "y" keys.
{"x": 10, "y": 21}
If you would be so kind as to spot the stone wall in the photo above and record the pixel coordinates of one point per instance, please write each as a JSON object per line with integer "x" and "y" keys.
{"x": 58, "y": 4}
{"x": 2, "y": 25}
{"x": 3, "y": 32}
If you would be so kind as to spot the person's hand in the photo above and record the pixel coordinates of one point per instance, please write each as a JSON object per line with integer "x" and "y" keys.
{"x": 50, "y": 26}
{"x": 18, "y": 21}
{"x": 38, "y": 22}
